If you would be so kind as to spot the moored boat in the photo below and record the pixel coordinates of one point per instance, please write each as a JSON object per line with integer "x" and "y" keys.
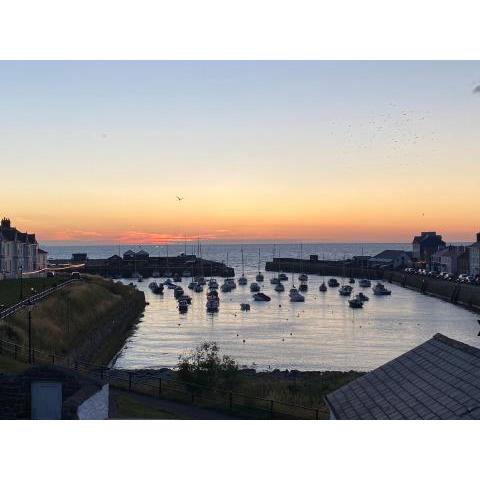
{"x": 296, "y": 297}
{"x": 355, "y": 303}
{"x": 379, "y": 289}
{"x": 261, "y": 297}
{"x": 254, "y": 287}
{"x": 333, "y": 282}
{"x": 345, "y": 290}
{"x": 365, "y": 283}
{"x": 279, "y": 287}
{"x": 322, "y": 287}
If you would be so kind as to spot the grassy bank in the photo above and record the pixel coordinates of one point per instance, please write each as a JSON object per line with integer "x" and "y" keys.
{"x": 299, "y": 388}
{"x": 63, "y": 321}
{"x": 11, "y": 289}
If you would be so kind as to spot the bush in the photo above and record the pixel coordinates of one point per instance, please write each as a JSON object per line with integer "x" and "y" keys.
{"x": 205, "y": 366}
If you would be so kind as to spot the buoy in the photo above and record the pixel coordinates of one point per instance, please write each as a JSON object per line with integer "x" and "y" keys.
{"x": 243, "y": 340}
{"x": 283, "y": 339}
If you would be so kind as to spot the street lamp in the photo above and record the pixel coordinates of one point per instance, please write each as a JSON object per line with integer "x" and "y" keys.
{"x": 21, "y": 281}
{"x": 30, "y": 351}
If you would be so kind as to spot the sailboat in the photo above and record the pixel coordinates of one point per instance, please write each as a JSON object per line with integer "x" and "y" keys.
{"x": 303, "y": 277}
{"x": 243, "y": 279}
{"x": 259, "y": 277}
{"x": 323, "y": 286}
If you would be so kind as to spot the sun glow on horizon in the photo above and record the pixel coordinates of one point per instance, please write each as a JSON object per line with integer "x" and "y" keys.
{"x": 97, "y": 152}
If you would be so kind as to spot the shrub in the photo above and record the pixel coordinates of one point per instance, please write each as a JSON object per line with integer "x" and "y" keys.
{"x": 205, "y": 366}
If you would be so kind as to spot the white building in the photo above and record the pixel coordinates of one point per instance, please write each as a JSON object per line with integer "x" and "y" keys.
{"x": 475, "y": 257}
{"x": 446, "y": 259}
{"x": 19, "y": 251}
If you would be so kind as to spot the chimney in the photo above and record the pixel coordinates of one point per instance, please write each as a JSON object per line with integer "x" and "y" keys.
{"x": 5, "y": 222}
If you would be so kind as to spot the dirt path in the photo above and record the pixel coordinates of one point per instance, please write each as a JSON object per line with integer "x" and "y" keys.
{"x": 173, "y": 409}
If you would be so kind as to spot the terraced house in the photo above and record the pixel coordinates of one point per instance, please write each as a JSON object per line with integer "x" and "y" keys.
{"x": 19, "y": 251}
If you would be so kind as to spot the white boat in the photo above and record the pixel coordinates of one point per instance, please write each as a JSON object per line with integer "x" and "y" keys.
{"x": 279, "y": 287}
{"x": 379, "y": 289}
{"x": 297, "y": 297}
{"x": 345, "y": 290}
{"x": 365, "y": 283}
{"x": 243, "y": 279}
{"x": 183, "y": 306}
{"x": 254, "y": 287}
{"x": 259, "y": 277}
{"x": 212, "y": 304}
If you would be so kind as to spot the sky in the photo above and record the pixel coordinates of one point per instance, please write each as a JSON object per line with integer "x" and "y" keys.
{"x": 322, "y": 151}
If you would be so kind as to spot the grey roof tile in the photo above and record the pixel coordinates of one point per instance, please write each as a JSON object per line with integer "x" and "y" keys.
{"x": 438, "y": 379}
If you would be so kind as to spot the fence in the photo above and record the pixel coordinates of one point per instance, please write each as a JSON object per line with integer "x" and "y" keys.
{"x": 237, "y": 404}
{"x": 6, "y": 312}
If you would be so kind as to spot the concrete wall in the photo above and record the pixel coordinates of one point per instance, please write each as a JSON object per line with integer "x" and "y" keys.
{"x": 96, "y": 406}
{"x": 466, "y": 295}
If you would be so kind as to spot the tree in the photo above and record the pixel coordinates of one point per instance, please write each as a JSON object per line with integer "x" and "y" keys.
{"x": 205, "y": 366}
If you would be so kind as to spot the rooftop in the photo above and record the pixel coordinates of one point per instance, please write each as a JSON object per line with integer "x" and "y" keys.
{"x": 439, "y": 379}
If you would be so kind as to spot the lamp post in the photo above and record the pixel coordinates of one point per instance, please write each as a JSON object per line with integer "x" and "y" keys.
{"x": 21, "y": 281}
{"x": 30, "y": 309}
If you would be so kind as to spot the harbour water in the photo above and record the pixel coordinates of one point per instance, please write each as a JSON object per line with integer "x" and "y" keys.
{"x": 321, "y": 334}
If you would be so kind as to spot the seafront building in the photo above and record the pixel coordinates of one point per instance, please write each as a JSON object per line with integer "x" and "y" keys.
{"x": 474, "y": 259}
{"x": 425, "y": 245}
{"x": 19, "y": 252}
{"x": 447, "y": 259}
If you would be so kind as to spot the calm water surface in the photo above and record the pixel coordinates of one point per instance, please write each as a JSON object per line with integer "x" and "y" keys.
{"x": 321, "y": 334}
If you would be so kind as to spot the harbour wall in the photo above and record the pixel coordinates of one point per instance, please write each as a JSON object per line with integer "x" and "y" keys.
{"x": 126, "y": 268}
{"x": 461, "y": 294}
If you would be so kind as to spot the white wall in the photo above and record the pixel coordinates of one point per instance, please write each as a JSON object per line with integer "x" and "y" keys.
{"x": 95, "y": 407}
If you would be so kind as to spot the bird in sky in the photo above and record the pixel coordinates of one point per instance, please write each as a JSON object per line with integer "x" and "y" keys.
{"x": 179, "y": 198}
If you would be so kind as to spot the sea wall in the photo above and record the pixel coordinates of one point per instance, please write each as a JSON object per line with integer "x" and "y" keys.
{"x": 462, "y": 294}
{"x": 465, "y": 295}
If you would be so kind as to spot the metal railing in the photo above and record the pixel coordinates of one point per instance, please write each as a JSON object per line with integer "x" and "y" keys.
{"x": 235, "y": 403}
{"x": 12, "y": 309}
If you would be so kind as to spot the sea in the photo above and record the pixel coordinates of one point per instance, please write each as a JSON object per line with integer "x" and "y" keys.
{"x": 323, "y": 333}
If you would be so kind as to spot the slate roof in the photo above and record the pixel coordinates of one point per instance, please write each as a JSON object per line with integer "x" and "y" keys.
{"x": 389, "y": 255}
{"x": 439, "y": 379}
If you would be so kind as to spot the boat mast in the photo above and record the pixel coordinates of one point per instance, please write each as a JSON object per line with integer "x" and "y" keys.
{"x": 243, "y": 265}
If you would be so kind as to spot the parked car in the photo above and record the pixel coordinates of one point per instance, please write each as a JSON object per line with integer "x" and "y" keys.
{"x": 75, "y": 275}
{"x": 50, "y": 274}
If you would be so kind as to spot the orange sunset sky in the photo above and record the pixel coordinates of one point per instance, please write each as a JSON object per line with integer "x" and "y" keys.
{"x": 97, "y": 152}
